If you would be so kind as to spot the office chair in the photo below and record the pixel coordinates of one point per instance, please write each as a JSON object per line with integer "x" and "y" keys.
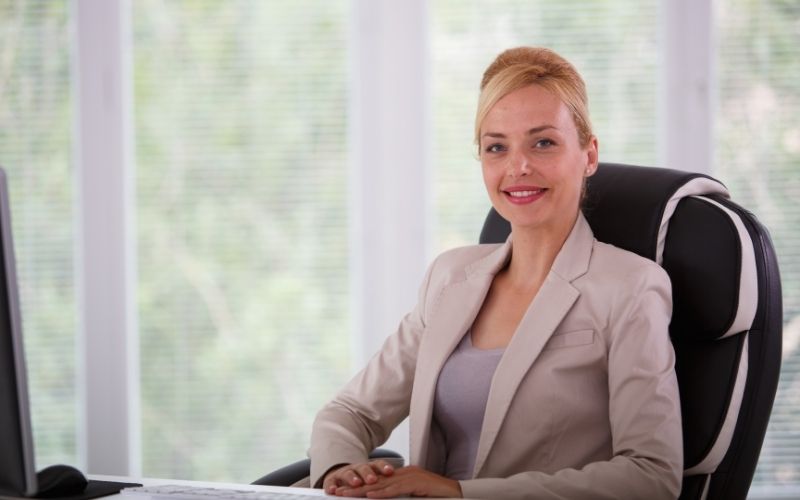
{"x": 727, "y": 318}
{"x": 296, "y": 474}
{"x": 727, "y": 314}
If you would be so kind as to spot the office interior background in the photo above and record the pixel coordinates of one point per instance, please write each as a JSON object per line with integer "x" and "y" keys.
{"x": 221, "y": 208}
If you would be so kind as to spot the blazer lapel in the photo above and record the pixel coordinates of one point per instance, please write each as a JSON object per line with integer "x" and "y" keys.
{"x": 553, "y": 301}
{"x": 455, "y": 311}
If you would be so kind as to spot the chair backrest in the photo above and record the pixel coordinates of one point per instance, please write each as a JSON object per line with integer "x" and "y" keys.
{"x": 727, "y": 313}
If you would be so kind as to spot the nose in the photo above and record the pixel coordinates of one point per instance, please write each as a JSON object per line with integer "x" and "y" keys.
{"x": 518, "y": 164}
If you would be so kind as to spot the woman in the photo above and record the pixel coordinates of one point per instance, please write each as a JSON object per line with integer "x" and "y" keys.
{"x": 540, "y": 368}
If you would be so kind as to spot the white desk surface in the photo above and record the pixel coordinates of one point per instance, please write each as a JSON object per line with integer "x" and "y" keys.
{"x": 204, "y": 484}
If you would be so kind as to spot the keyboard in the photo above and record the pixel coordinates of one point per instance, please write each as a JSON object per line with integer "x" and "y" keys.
{"x": 177, "y": 492}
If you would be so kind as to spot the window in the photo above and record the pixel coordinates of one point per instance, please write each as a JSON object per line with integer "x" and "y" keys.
{"x": 243, "y": 195}
{"x": 35, "y": 150}
{"x": 757, "y": 155}
{"x": 241, "y": 170}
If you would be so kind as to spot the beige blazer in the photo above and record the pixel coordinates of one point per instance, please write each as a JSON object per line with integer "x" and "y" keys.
{"x": 584, "y": 403}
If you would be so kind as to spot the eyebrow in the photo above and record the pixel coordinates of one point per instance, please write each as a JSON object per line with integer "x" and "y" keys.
{"x": 534, "y": 130}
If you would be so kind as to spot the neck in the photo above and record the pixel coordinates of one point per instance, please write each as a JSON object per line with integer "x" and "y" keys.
{"x": 533, "y": 252}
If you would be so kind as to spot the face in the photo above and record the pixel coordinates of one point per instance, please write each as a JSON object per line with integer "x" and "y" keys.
{"x": 533, "y": 164}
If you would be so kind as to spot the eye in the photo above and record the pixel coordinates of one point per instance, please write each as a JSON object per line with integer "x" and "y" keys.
{"x": 494, "y": 148}
{"x": 544, "y": 143}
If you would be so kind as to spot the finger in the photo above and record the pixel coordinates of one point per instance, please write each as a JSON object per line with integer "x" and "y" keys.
{"x": 350, "y": 477}
{"x": 361, "y": 491}
{"x": 367, "y": 472}
{"x": 332, "y": 480}
{"x": 389, "y": 491}
{"x": 348, "y": 491}
{"x": 379, "y": 486}
{"x": 382, "y": 467}
{"x": 331, "y": 488}
{"x": 347, "y": 476}
{"x": 329, "y": 484}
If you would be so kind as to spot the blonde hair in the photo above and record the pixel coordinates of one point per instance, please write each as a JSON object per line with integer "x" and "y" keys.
{"x": 516, "y": 68}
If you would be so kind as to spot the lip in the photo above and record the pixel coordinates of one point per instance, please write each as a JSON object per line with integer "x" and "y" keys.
{"x": 523, "y": 195}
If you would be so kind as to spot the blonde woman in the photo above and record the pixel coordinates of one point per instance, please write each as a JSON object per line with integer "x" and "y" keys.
{"x": 539, "y": 368}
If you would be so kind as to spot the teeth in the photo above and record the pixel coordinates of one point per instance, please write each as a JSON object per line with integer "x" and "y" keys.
{"x": 522, "y": 194}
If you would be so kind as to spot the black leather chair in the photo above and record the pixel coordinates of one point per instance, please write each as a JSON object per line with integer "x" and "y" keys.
{"x": 296, "y": 473}
{"x": 727, "y": 317}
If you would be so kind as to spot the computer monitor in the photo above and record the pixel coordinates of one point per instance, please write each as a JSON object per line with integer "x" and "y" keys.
{"x": 18, "y": 476}
{"x": 17, "y": 468}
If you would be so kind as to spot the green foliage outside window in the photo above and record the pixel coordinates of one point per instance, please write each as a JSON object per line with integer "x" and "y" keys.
{"x": 241, "y": 170}
{"x": 240, "y": 120}
{"x": 758, "y": 157}
{"x": 36, "y": 111}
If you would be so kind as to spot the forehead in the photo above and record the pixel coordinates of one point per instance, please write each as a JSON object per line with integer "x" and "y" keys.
{"x": 528, "y": 107}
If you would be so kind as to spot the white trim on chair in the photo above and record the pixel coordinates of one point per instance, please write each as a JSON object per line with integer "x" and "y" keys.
{"x": 712, "y": 460}
{"x": 704, "y": 495}
{"x": 748, "y": 280}
{"x": 696, "y": 186}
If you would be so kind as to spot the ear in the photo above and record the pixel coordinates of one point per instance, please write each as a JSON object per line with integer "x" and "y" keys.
{"x": 591, "y": 151}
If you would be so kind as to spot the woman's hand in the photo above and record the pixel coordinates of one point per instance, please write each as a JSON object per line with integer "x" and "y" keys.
{"x": 355, "y": 475}
{"x": 407, "y": 481}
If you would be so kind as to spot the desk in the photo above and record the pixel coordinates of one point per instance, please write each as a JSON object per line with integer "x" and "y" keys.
{"x": 205, "y": 484}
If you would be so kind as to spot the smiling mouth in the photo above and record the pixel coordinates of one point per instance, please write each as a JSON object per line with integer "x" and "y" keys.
{"x": 525, "y": 194}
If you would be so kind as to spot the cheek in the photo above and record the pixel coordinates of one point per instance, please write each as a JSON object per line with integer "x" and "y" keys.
{"x": 574, "y": 175}
{"x": 489, "y": 174}
{"x": 492, "y": 179}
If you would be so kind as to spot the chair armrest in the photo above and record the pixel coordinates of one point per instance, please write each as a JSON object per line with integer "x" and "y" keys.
{"x": 297, "y": 471}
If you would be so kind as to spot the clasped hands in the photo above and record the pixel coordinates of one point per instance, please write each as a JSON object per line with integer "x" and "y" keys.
{"x": 379, "y": 479}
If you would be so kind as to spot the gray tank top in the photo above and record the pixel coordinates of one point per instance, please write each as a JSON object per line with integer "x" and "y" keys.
{"x": 460, "y": 403}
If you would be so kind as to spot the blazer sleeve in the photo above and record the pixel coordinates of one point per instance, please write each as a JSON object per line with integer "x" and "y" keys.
{"x": 644, "y": 411}
{"x": 363, "y": 414}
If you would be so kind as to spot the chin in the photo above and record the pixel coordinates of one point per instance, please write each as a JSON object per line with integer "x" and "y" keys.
{"x": 523, "y": 223}
{"x": 520, "y": 222}
{"x": 522, "y": 217}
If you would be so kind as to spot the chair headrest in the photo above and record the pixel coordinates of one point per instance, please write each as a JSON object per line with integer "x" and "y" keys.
{"x": 685, "y": 222}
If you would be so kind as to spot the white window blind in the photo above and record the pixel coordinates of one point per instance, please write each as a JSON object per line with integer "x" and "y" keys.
{"x": 757, "y": 151}
{"x": 241, "y": 158}
{"x": 240, "y": 116}
{"x": 613, "y": 44}
{"x": 35, "y": 150}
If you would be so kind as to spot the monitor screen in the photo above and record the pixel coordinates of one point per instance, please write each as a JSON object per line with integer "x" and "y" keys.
{"x": 17, "y": 468}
